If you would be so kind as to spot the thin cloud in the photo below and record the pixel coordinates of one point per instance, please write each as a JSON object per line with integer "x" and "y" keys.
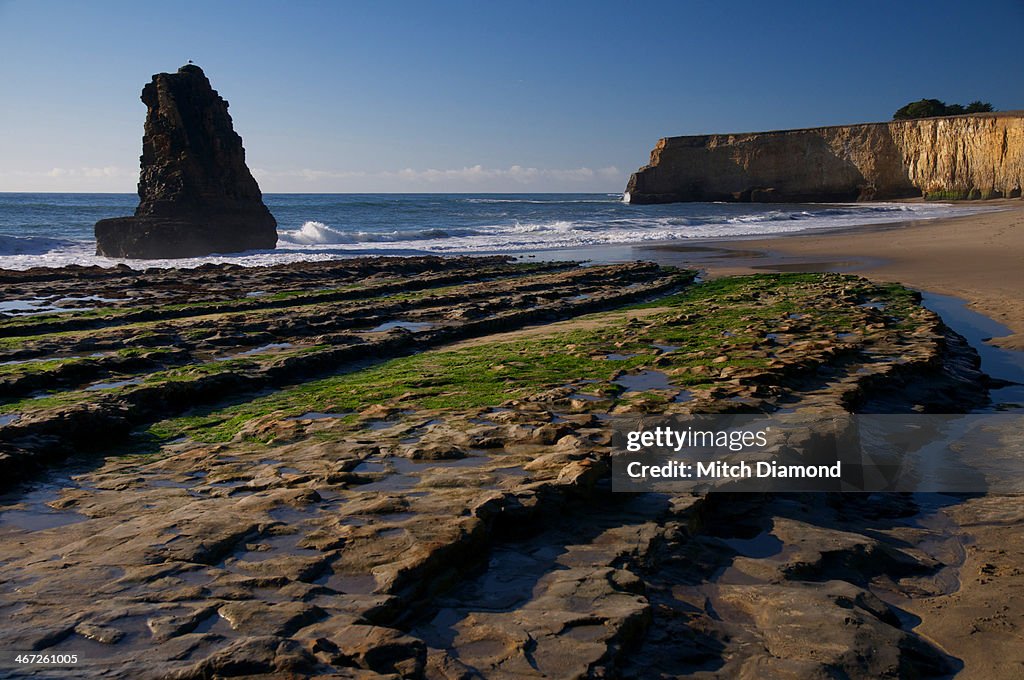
{"x": 470, "y": 175}
{"x": 109, "y": 171}
{"x": 473, "y": 178}
{"x": 110, "y": 178}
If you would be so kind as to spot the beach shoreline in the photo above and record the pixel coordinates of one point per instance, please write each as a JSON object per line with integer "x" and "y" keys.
{"x": 340, "y": 226}
{"x": 975, "y": 257}
{"x": 978, "y": 258}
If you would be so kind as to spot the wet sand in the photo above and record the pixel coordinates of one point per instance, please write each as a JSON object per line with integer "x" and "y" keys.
{"x": 979, "y": 258}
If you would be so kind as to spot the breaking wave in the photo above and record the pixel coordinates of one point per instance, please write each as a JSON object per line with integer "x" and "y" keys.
{"x": 50, "y": 230}
{"x": 317, "y": 233}
{"x": 593, "y": 228}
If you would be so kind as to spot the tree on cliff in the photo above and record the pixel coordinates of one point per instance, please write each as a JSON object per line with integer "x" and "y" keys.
{"x": 977, "y": 106}
{"x": 928, "y": 108}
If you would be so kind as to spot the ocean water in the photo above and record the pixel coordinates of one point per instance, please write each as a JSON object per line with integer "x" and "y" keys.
{"x": 56, "y": 229}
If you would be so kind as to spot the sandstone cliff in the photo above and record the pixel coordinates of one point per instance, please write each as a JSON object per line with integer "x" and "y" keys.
{"x": 973, "y": 156}
{"x": 196, "y": 194}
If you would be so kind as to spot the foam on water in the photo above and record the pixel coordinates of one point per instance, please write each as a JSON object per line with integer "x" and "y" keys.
{"x": 312, "y": 233}
{"x": 56, "y": 230}
{"x": 318, "y": 233}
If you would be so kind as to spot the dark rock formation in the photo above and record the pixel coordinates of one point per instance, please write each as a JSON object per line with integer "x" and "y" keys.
{"x": 196, "y": 194}
{"x": 957, "y": 157}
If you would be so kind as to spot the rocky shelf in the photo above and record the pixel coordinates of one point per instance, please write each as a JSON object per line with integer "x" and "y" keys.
{"x": 400, "y": 468}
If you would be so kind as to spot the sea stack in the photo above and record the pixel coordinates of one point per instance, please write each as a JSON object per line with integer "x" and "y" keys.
{"x": 196, "y": 193}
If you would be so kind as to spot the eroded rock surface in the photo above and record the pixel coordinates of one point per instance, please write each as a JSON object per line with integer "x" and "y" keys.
{"x": 972, "y": 156}
{"x": 375, "y": 500}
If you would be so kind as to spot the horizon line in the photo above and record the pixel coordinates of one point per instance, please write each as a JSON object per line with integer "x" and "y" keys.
{"x": 345, "y": 193}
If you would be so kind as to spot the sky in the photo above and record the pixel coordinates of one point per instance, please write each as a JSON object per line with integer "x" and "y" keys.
{"x": 475, "y": 96}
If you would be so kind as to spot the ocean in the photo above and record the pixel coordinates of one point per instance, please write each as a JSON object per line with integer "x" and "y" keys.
{"x": 52, "y": 230}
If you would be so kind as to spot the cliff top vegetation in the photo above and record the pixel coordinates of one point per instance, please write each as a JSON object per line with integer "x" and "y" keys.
{"x": 929, "y": 108}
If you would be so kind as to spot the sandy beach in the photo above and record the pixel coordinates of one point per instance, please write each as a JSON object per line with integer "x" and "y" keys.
{"x": 979, "y": 258}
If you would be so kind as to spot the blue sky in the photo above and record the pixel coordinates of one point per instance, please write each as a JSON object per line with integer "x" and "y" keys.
{"x": 475, "y": 96}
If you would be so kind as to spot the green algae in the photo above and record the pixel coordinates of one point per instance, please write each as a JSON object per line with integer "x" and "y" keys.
{"x": 717, "y": 324}
{"x": 733, "y": 312}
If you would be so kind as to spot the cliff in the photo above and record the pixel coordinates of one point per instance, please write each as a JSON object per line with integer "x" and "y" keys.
{"x": 196, "y": 193}
{"x": 973, "y": 156}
